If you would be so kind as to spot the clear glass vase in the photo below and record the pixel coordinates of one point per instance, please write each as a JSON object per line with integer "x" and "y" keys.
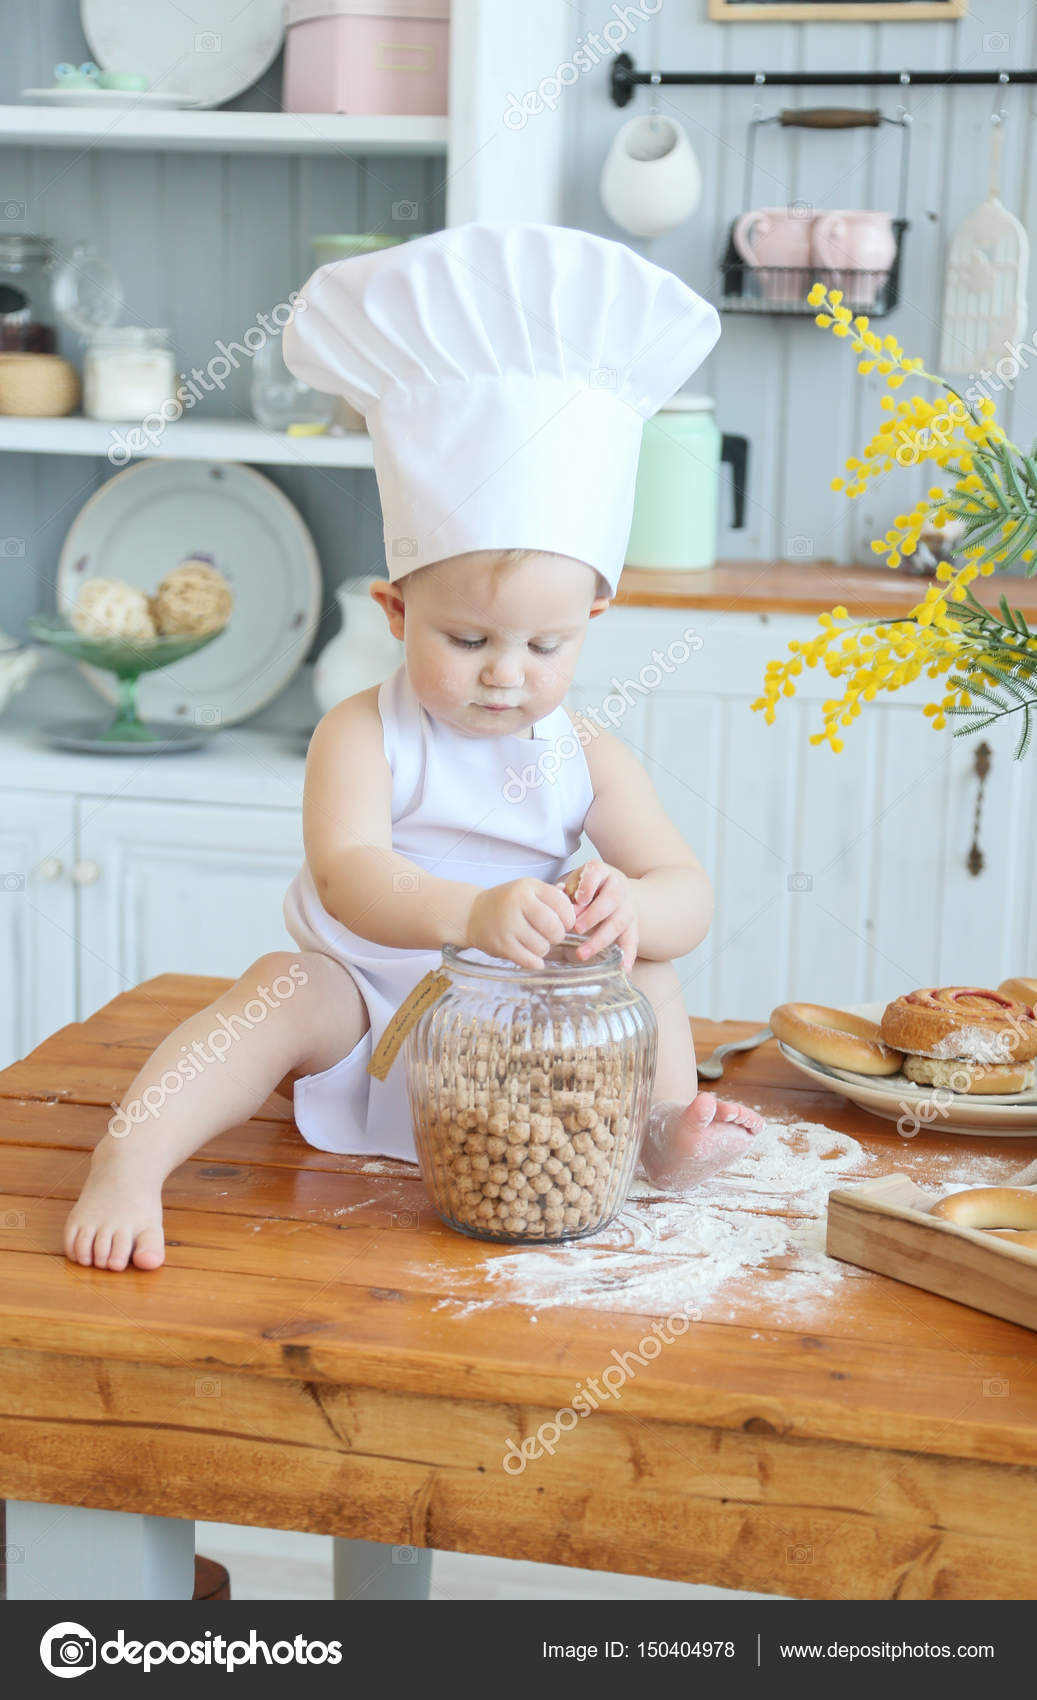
{"x": 529, "y": 1093}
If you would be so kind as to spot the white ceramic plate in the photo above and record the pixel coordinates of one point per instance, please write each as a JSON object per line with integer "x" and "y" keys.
{"x": 211, "y": 52}
{"x": 157, "y": 513}
{"x": 891, "y": 1096}
{"x": 116, "y": 100}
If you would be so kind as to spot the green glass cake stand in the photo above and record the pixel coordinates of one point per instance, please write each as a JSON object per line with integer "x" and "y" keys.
{"x": 127, "y": 658}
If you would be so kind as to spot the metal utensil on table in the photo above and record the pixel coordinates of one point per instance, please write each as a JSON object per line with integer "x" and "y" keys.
{"x": 712, "y": 1067}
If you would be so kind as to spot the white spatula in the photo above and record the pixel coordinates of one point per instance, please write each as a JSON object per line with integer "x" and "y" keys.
{"x": 984, "y": 303}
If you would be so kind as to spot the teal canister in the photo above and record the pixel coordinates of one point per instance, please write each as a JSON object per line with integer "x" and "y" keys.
{"x": 678, "y": 478}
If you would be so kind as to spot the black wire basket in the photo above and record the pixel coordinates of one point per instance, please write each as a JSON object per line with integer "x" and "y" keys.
{"x": 746, "y": 288}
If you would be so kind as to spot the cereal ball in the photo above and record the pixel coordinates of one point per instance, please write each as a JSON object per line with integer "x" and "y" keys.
{"x": 193, "y": 599}
{"x": 108, "y": 608}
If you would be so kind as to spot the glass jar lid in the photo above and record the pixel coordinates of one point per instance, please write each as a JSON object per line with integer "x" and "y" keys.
{"x": 16, "y": 250}
{"x": 562, "y": 967}
{"x": 129, "y": 336}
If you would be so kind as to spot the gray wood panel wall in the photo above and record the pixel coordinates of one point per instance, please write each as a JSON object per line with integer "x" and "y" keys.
{"x": 792, "y": 389}
{"x": 204, "y": 242}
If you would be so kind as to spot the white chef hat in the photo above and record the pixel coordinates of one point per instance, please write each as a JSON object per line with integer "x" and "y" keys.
{"x": 505, "y": 371}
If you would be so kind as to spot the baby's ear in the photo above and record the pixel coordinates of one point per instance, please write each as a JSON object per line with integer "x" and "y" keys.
{"x": 599, "y": 605}
{"x": 389, "y": 597}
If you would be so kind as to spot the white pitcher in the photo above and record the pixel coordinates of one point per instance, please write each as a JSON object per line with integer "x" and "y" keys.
{"x": 650, "y": 181}
{"x": 362, "y": 653}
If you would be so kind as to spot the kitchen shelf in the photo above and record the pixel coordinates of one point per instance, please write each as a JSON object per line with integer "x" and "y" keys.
{"x": 194, "y": 131}
{"x": 188, "y": 439}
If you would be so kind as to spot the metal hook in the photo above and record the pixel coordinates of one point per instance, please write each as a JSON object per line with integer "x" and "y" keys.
{"x": 653, "y": 104}
{"x": 999, "y": 114}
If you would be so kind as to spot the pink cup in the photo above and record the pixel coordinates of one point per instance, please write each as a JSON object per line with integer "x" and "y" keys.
{"x": 863, "y": 243}
{"x": 777, "y": 236}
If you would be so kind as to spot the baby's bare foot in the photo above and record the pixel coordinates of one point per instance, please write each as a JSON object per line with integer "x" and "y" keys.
{"x": 686, "y": 1143}
{"x": 118, "y": 1215}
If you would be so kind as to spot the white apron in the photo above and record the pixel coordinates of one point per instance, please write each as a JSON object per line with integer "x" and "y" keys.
{"x": 465, "y": 809}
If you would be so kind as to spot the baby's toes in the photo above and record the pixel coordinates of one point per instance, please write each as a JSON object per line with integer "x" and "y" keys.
{"x": 83, "y": 1245}
{"x": 150, "y": 1249}
{"x": 102, "y": 1246}
{"x": 122, "y": 1245}
{"x": 727, "y": 1111}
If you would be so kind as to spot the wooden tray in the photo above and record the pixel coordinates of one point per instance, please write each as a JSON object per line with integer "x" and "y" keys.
{"x": 885, "y": 1225}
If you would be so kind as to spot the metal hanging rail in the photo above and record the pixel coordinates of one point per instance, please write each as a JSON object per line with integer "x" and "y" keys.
{"x": 626, "y": 77}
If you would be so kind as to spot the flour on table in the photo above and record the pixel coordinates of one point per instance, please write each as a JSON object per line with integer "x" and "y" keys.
{"x": 671, "y": 1250}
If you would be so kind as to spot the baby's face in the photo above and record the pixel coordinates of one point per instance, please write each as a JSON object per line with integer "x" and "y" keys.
{"x": 491, "y": 653}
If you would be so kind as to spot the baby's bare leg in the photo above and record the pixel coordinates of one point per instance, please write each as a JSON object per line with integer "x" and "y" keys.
{"x": 314, "y": 1016}
{"x": 691, "y": 1135}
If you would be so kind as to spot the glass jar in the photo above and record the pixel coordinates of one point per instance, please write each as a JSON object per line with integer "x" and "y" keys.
{"x": 529, "y": 1092}
{"x": 41, "y": 286}
{"x": 279, "y": 398}
{"x": 25, "y": 296}
{"x": 128, "y": 372}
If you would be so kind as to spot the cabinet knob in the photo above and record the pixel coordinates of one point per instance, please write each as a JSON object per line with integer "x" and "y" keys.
{"x": 84, "y": 873}
{"x": 51, "y": 868}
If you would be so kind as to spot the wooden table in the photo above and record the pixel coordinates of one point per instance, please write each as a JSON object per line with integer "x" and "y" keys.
{"x": 298, "y": 1363}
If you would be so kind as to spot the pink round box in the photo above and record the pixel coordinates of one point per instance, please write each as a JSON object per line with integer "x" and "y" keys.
{"x": 375, "y": 57}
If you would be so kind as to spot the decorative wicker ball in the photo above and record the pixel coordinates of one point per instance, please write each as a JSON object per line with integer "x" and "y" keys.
{"x": 108, "y": 608}
{"x": 193, "y": 599}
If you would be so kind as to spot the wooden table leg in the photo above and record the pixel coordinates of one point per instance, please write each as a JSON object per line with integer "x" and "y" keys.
{"x": 73, "y": 1552}
{"x": 370, "y": 1570}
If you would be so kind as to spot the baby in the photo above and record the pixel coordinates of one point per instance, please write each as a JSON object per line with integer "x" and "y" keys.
{"x": 491, "y": 641}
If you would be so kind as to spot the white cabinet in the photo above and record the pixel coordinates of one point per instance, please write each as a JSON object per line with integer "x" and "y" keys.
{"x": 98, "y": 894}
{"x": 169, "y": 887}
{"x": 37, "y": 919}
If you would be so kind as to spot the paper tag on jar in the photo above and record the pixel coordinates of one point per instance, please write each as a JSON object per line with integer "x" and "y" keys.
{"x": 427, "y": 991}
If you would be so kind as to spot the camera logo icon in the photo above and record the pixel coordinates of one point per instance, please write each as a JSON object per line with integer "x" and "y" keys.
{"x": 405, "y": 209}
{"x": 68, "y": 1649}
{"x": 207, "y": 42}
{"x": 800, "y": 882}
{"x": 405, "y": 882}
{"x": 405, "y": 546}
{"x": 208, "y": 715}
{"x": 13, "y": 209}
{"x": 603, "y": 378}
{"x": 12, "y": 547}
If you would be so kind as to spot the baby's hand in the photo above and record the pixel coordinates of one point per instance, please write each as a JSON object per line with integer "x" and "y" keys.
{"x": 520, "y": 920}
{"x": 605, "y": 909}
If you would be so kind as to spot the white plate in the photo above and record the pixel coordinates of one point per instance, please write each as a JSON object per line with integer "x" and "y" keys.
{"x": 157, "y": 513}
{"x": 211, "y": 52}
{"x": 891, "y": 1096}
{"x": 116, "y": 100}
